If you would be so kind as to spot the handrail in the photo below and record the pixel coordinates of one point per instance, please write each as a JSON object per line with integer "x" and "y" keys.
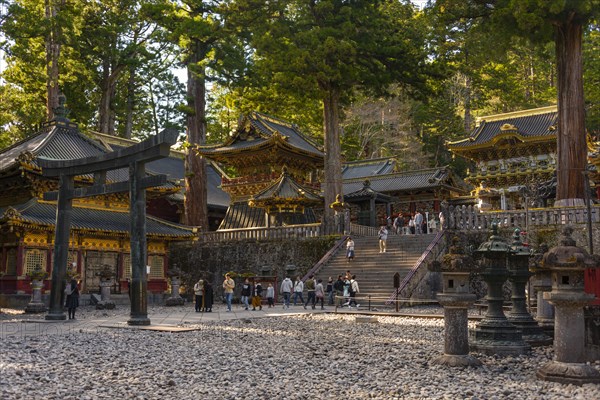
{"x": 325, "y": 258}
{"x": 418, "y": 265}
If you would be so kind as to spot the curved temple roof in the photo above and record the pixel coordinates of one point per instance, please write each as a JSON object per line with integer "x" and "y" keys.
{"x": 258, "y": 130}
{"x": 44, "y": 214}
{"x": 528, "y": 125}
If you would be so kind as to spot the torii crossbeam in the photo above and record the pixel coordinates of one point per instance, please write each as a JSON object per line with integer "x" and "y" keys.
{"x": 135, "y": 158}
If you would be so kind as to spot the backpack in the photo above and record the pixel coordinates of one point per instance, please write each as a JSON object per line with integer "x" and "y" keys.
{"x": 338, "y": 285}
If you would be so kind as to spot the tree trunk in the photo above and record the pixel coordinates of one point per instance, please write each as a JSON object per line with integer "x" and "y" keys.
{"x": 571, "y": 139}
{"x": 52, "y": 56}
{"x": 333, "y": 162}
{"x": 468, "y": 117}
{"x": 195, "y": 203}
{"x": 108, "y": 86}
{"x": 130, "y": 103}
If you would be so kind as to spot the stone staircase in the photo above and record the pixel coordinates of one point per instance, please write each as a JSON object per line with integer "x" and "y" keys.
{"x": 375, "y": 271}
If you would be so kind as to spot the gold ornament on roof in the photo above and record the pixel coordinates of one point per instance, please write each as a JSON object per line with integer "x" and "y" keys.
{"x": 508, "y": 127}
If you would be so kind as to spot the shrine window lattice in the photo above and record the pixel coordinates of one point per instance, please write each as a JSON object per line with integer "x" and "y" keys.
{"x": 156, "y": 264}
{"x": 33, "y": 259}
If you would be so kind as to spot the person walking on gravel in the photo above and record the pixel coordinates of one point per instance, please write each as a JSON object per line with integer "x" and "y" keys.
{"x": 228, "y": 286}
{"x": 320, "y": 293}
{"x": 246, "y": 293}
{"x": 298, "y": 289}
{"x": 286, "y": 290}
{"x": 310, "y": 292}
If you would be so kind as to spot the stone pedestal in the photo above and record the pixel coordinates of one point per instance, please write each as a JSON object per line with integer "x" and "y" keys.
{"x": 36, "y": 305}
{"x": 456, "y": 299}
{"x": 542, "y": 282}
{"x": 105, "y": 302}
{"x": 518, "y": 276}
{"x": 495, "y": 334}
{"x": 456, "y": 331}
{"x": 175, "y": 299}
{"x": 567, "y": 263}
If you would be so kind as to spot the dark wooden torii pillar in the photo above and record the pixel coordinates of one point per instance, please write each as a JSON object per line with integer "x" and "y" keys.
{"x": 135, "y": 158}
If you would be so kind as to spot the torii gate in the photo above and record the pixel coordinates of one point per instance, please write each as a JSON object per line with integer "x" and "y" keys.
{"x": 135, "y": 158}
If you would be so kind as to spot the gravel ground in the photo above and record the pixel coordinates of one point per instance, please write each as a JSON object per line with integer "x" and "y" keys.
{"x": 310, "y": 356}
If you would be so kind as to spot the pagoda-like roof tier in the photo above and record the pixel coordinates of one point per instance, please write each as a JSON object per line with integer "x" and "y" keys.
{"x": 262, "y": 139}
{"x": 285, "y": 191}
{"x": 504, "y": 135}
{"x": 41, "y": 214}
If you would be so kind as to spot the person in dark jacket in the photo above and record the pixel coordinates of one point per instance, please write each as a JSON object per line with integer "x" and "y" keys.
{"x": 208, "y": 296}
{"x": 72, "y": 292}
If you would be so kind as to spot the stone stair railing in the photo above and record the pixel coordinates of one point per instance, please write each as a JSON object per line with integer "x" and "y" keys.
{"x": 363, "y": 230}
{"x": 419, "y": 270}
{"x": 471, "y": 218}
{"x": 278, "y": 232}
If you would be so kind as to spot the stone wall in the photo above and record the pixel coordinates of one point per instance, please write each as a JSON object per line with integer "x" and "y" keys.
{"x": 246, "y": 258}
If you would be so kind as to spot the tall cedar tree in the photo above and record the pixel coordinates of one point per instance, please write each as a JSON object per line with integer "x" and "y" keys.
{"x": 330, "y": 48}
{"x": 563, "y": 22}
{"x": 196, "y": 26}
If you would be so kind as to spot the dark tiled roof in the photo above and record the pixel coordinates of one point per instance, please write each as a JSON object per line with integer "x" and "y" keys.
{"x": 59, "y": 142}
{"x": 44, "y": 214}
{"x": 241, "y": 215}
{"x": 366, "y": 168}
{"x": 286, "y": 187}
{"x": 266, "y": 126}
{"x": 527, "y": 126}
{"x": 404, "y": 181}
{"x": 366, "y": 192}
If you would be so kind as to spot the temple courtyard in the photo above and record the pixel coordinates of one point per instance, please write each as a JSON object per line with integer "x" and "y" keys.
{"x": 268, "y": 354}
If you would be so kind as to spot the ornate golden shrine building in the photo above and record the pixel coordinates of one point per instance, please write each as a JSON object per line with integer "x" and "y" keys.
{"x": 275, "y": 171}
{"x": 511, "y": 151}
{"x": 100, "y": 225}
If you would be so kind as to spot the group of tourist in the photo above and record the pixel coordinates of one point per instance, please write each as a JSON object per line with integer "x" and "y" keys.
{"x": 346, "y": 288}
{"x": 251, "y": 294}
{"x": 412, "y": 224}
{"x": 315, "y": 292}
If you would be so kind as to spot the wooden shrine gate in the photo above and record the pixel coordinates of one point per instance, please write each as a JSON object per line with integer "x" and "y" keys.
{"x": 135, "y": 158}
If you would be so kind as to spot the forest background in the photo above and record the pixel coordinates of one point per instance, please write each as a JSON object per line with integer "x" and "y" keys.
{"x": 366, "y": 79}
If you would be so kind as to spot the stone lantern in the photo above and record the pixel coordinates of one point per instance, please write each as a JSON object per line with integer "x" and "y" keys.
{"x": 567, "y": 264}
{"x": 518, "y": 275}
{"x": 495, "y": 334}
{"x": 175, "y": 299}
{"x": 36, "y": 305}
{"x": 106, "y": 281}
{"x": 456, "y": 299}
{"x": 542, "y": 282}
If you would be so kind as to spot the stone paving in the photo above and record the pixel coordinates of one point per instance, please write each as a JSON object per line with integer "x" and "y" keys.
{"x": 269, "y": 354}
